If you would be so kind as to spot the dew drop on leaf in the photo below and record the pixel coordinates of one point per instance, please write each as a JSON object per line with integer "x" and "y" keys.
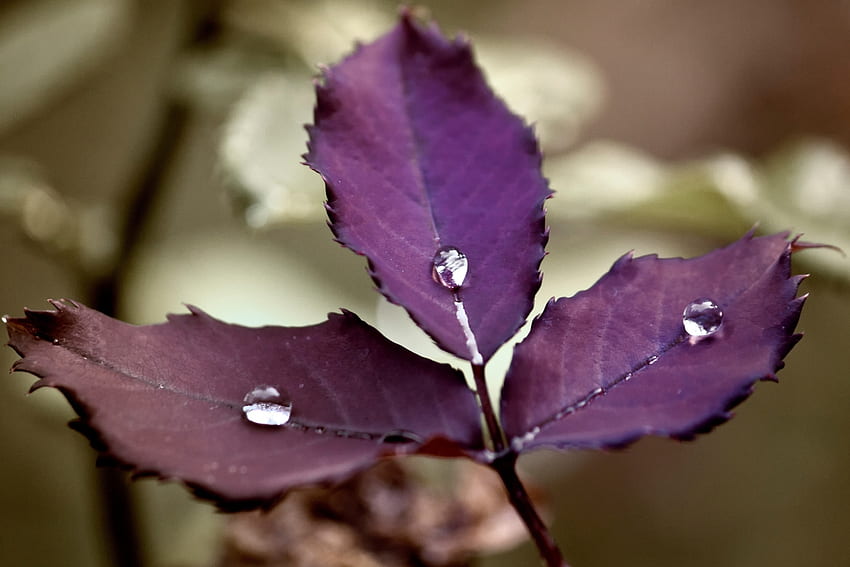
{"x": 265, "y": 406}
{"x": 450, "y": 267}
{"x": 702, "y": 317}
{"x": 262, "y": 393}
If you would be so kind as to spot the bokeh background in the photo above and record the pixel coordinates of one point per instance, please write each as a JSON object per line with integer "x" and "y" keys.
{"x": 149, "y": 156}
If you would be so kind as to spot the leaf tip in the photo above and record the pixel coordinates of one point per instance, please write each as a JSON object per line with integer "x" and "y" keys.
{"x": 623, "y": 261}
{"x": 409, "y": 14}
{"x": 195, "y": 310}
{"x": 796, "y": 280}
{"x": 797, "y": 245}
{"x": 349, "y": 316}
{"x": 750, "y": 234}
{"x": 63, "y": 304}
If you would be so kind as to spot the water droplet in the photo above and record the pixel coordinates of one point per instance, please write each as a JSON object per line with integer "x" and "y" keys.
{"x": 518, "y": 443}
{"x": 702, "y": 317}
{"x": 267, "y": 413}
{"x": 400, "y": 436}
{"x": 265, "y": 406}
{"x": 262, "y": 393}
{"x": 450, "y": 267}
{"x": 4, "y": 319}
{"x": 490, "y": 456}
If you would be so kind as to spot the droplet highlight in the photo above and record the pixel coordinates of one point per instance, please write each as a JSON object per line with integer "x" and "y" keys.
{"x": 702, "y": 317}
{"x": 265, "y": 406}
{"x": 450, "y": 267}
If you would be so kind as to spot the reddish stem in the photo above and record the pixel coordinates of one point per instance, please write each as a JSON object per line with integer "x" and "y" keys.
{"x": 497, "y": 436}
{"x": 505, "y": 465}
{"x": 518, "y": 496}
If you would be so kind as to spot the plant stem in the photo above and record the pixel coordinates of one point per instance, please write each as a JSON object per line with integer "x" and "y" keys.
{"x": 519, "y": 499}
{"x": 497, "y": 436}
{"x": 505, "y": 465}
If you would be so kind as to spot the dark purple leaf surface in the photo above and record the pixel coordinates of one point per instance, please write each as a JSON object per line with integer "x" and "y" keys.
{"x": 614, "y": 363}
{"x": 167, "y": 399}
{"x": 417, "y": 153}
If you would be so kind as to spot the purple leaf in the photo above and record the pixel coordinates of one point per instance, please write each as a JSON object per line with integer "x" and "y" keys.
{"x": 418, "y": 154}
{"x": 615, "y": 362}
{"x": 169, "y": 399}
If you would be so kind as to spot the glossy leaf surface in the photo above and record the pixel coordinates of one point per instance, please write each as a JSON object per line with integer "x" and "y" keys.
{"x": 168, "y": 399}
{"x": 614, "y": 362}
{"x": 417, "y": 153}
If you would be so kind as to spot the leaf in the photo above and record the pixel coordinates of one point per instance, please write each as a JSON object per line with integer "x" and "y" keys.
{"x": 614, "y": 363}
{"x": 167, "y": 399}
{"x": 417, "y": 153}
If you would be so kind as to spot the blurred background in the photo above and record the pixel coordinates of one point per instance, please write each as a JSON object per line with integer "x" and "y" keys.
{"x": 150, "y": 155}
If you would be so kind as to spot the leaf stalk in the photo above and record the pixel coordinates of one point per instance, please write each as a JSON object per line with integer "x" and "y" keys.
{"x": 505, "y": 465}
{"x": 521, "y": 501}
{"x": 494, "y": 430}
